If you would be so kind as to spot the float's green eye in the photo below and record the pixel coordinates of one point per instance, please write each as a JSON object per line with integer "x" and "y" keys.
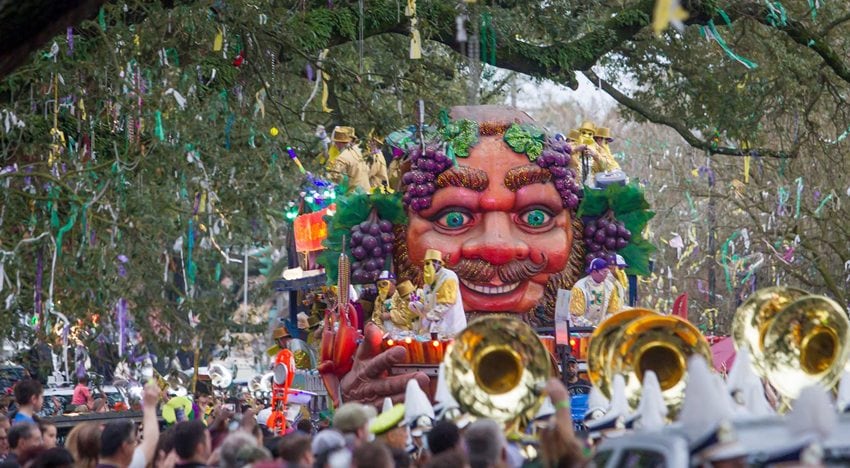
{"x": 536, "y": 218}
{"x": 455, "y": 219}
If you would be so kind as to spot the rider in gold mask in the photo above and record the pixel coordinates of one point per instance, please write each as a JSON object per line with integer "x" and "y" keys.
{"x": 442, "y": 309}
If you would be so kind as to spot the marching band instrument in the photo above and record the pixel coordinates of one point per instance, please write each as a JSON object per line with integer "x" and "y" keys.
{"x": 601, "y": 342}
{"x": 640, "y": 341}
{"x": 796, "y": 339}
{"x": 496, "y": 368}
{"x": 261, "y": 383}
{"x": 220, "y": 376}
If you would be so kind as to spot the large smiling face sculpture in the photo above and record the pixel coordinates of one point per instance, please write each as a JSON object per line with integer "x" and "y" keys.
{"x": 503, "y": 215}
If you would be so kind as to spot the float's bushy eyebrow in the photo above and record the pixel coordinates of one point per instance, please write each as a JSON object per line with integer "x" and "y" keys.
{"x": 464, "y": 177}
{"x": 518, "y": 177}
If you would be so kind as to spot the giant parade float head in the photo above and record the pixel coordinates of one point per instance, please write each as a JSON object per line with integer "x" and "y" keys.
{"x": 498, "y": 198}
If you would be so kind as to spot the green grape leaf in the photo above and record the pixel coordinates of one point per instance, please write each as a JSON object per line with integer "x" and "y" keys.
{"x": 525, "y": 139}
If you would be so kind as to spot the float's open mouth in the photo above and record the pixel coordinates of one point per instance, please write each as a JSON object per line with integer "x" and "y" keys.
{"x": 505, "y": 288}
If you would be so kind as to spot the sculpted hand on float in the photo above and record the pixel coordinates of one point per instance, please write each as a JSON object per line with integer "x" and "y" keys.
{"x": 368, "y": 382}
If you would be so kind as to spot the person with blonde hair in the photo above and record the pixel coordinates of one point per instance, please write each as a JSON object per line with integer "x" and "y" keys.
{"x": 84, "y": 444}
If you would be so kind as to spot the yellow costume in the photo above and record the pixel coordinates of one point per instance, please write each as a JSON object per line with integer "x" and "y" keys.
{"x": 350, "y": 164}
{"x": 345, "y": 160}
{"x": 377, "y": 163}
{"x": 401, "y": 317}
{"x": 395, "y": 174}
{"x": 591, "y": 302}
{"x": 606, "y": 161}
{"x": 441, "y": 303}
{"x": 377, "y": 171}
{"x": 603, "y": 161}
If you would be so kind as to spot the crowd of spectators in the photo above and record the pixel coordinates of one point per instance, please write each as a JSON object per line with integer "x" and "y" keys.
{"x": 229, "y": 440}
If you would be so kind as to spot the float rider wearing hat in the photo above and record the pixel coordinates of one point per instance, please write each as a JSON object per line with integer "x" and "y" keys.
{"x": 602, "y": 138}
{"x": 441, "y": 308}
{"x": 378, "y": 178}
{"x": 592, "y": 297}
{"x": 618, "y": 277}
{"x": 398, "y": 316}
{"x": 349, "y": 162}
{"x": 391, "y": 311}
{"x": 602, "y": 161}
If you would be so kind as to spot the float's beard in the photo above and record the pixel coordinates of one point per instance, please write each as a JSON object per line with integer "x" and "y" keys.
{"x": 564, "y": 279}
{"x": 482, "y": 271}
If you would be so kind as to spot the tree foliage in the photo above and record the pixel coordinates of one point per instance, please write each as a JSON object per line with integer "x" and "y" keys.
{"x": 137, "y": 164}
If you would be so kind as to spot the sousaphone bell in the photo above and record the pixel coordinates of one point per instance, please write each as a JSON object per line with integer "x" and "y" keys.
{"x": 796, "y": 339}
{"x": 497, "y": 368}
{"x": 635, "y": 341}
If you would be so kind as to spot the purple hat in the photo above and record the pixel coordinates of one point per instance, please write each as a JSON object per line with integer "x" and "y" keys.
{"x": 597, "y": 264}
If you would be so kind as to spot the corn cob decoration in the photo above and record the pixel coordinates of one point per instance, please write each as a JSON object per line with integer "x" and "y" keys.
{"x": 343, "y": 277}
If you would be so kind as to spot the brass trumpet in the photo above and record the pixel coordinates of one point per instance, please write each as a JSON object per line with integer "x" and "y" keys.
{"x": 497, "y": 368}
{"x": 639, "y": 340}
{"x": 796, "y": 339}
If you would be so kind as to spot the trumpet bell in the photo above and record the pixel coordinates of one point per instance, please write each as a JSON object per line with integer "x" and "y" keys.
{"x": 496, "y": 368}
{"x": 635, "y": 341}
{"x": 796, "y": 339}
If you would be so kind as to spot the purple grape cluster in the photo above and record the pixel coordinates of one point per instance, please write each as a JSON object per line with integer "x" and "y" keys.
{"x": 556, "y": 158}
{"x": 419, "y": 180}
{"x": 371, "y": 243}
{"x": 604, "y": 236}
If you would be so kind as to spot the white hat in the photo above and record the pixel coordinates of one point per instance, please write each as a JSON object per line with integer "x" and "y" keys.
{"x": 386, "y": 275}
{"x": 443, "y": 397}
{"x": 705, "y": 415}
{"x": 718, "y": 444}
{"x": 812, "y": 414}
{"x": 596, "y": 404}
{"x": 704, "y": 406}
{"x": 621, "y": 262}
{"x": 651, "y": 409}
{"x": 327, "y": 441}
{"x": 618, "y": 410}
{"x": 619, "y": 402}
{"x": 388, "y": 405}
{"x": 418, "y": 411}
{"x": 843, "y": 399}
{"x": 743, "y": 382}
{"x": 263, "y": 416}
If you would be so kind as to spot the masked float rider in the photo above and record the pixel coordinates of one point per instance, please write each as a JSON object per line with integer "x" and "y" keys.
{"x": 441, "y": 308}
{"x": 602, "y": 159}
{"x": 391, "y": 311}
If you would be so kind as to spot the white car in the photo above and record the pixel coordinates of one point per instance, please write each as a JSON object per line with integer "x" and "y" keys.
{"x": 57, "y": 400}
